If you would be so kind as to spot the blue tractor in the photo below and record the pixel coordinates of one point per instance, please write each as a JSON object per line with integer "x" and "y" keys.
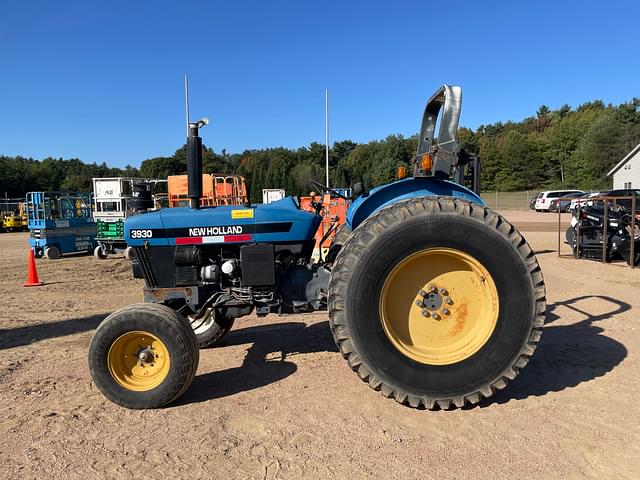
{"x": 433, "y": 299}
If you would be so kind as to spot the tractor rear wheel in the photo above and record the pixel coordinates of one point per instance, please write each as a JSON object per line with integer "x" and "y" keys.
{"x": 212, "y": 329}
{"x": 143, "y": 356}
{"x": 342, "y": 233}
{"x": 436, "y": 302}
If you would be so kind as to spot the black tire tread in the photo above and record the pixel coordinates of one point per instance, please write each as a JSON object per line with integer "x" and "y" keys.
{"x": 357, "y": 243}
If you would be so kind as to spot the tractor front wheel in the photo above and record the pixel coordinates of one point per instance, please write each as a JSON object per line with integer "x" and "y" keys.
{"x": 143, "y": 356}
{"x": 436, "y": 302}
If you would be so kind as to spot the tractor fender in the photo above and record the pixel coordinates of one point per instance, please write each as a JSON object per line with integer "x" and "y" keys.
{"x": 379, "y": 197}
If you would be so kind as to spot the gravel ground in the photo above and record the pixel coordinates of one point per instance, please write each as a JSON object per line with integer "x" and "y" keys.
{"x": 276, "y": 400}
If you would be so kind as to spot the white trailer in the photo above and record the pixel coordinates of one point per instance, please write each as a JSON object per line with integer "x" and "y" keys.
{"x": 270, "y": 195}
{"x": 115, "y": 199}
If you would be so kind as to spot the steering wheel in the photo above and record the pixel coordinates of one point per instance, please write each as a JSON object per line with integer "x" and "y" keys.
{"x": 324, "y": 188}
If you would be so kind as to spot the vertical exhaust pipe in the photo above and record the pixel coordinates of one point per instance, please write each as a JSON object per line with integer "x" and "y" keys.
{"x": 194, "y": 163}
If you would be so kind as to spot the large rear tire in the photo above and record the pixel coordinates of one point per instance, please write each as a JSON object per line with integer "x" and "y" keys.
{"x": 339, "y": 239}
{"x": 436, "y": 302}
{"x": 143, "y": 356}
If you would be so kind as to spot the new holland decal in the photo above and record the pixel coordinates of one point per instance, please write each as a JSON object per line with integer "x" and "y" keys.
{"x": 219, "y": 234}
{"x": 223, "y": 230}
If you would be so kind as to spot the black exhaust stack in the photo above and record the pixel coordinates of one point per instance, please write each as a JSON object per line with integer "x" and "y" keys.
{"x": 194, "y": 163}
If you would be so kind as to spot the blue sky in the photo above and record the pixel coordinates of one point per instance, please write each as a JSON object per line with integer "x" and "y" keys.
{"x": 103, "y": 81}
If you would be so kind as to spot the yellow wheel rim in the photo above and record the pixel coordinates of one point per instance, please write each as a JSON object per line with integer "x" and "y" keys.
{"x": 439, "y": 306}
{"x": 138, "y": 361}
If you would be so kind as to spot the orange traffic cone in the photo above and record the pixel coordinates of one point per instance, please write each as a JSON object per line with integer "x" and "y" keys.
{"x": 32, "y": 273}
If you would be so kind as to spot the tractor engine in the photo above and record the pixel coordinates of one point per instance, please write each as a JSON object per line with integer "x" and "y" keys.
{"x": 273, "y": 278}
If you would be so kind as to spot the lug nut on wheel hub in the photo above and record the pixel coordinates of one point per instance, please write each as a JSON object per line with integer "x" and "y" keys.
{"x": 432, "y": 299}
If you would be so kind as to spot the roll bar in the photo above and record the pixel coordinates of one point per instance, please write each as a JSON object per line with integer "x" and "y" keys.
{"x": 444, "y": 151}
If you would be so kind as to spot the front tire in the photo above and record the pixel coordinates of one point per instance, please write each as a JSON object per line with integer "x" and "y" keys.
{"x": 143, "y": 356}
{"x": 436, "y": 302}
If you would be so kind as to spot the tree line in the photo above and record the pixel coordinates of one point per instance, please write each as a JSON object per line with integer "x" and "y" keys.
{"x": 571, "y": 148}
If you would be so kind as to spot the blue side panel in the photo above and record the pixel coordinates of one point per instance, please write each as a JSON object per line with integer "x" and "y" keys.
{"x": 69, "y": 235}
{"x": 149, "y": 221}
{"x": 384, "y": 195}
{"x": 280, "y": 221}
{"x": 304, "y": 224}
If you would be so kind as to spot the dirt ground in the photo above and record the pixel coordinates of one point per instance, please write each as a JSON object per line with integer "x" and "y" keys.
{"x": 276, "y": 400}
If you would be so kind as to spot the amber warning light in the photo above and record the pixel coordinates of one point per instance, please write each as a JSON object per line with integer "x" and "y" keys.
{"x": 426, "y": 163}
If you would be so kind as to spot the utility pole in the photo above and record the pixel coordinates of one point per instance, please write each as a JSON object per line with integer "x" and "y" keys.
{"x": 326, "y": 134}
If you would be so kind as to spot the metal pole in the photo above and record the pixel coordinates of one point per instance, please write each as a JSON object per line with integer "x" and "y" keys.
{"x": 559, "y": 213}
{"x": 577, "y": 252}
{"x": 186, "y": 101}
{"x": 632, "y": 247}
{"x": 326, "y": 132}
{"x": 605, "y": 233}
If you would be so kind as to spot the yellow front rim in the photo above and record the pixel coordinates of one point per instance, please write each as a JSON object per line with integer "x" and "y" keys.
{"x": 439, "y": 306}
{"x": 138, "y": 361}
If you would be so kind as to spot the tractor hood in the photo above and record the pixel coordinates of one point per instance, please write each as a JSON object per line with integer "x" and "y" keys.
{"x": 280, "y": 221}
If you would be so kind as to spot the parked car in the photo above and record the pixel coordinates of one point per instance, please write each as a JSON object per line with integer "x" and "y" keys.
{"x": 543, "y": 201}
{"x": 624, "y": 192}
{"x": 532, "y": 202}
{"x": 585, "y": 200}
{"x": 563, "y": 203}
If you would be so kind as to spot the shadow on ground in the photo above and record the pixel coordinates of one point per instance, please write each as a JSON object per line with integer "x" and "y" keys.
{"x": 266, "y": 360}
{"x": 566, "y": 356}
{"x": 569, "y": 354}
{"x": 21, "y": 336}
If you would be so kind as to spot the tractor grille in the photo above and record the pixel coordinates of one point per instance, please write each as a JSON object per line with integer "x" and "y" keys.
{"x": 186, "y": 276}
{"x": 147, "y": 271}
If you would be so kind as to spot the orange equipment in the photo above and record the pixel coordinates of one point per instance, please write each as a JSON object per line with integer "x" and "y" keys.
{"x": 334, "y": 211}
{"x": 217, "y": 189}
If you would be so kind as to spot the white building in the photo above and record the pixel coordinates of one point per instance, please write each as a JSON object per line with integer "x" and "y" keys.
{"x": 626, "y": 174}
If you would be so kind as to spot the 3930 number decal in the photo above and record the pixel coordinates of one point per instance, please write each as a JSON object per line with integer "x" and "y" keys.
{"x": 141, "y": 233}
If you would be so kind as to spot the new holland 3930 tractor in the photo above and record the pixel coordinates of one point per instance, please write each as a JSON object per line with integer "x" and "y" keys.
{"x": 433, "y": 299}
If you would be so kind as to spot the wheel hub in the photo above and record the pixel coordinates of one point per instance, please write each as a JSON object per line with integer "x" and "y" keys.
{"x": 439, "y": 306}
{"x": 146, "y": 356}
{"x": 138, "y": 361}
